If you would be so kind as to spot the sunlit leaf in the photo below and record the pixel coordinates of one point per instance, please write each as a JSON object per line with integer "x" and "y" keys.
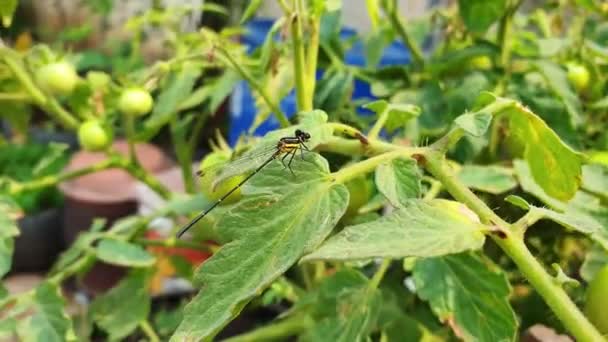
{"x": 280, "y": 218}
{"x": 399, "y": 180}
{"x": 398, "y": 113}
{"x": 120, "y": 310}
{"x": 529, "y": 185}
{"x": 123, "y": 253}
{"x": 476, "y": 123}
{"x": 8, "y": 216}
{"x": 250, "y": 11}
{"x": 7, "y": 9}
{"x": 469, "y": 295}
{"x": 418, "y": 228}
{"x": 553, "y": 165}
{"x": 491, "y": 179}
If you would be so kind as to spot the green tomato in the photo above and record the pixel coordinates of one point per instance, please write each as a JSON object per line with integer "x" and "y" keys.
{"x": 98, "y": 80}
{"x": 579, "y": 76}
{"x": 58, "y": 78}
{"x": 207, "y": 181}
{"x": 597, "y": 300}
{"x": 135, "y": 101}
{"x": 481, "y": 62}
{"x": 360, "y": 191}
{"x": 92, "y": 136}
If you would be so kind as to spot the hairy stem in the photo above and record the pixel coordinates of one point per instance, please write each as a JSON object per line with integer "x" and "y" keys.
{"x": 375, "y": 130}
{"x": 399, "y": 26}
{"x": 147, "y": 329}
{"x": 289, "y": 326}
{"x": 299, "y": 66}
{"x": 370, "y": 164}
{"x": 514, "y": 246}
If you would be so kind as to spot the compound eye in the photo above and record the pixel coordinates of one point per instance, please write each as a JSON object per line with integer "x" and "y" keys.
{"x": 307, "y": 136}
{"x": 298, "y": 132}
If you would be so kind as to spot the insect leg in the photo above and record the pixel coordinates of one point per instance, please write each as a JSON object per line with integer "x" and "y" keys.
{"x": 293, "y": 154}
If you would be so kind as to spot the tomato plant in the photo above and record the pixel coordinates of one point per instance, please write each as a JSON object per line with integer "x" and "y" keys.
{"x": 466, "y": 200}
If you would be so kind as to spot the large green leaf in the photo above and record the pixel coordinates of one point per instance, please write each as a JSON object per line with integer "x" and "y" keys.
{"x": 595, "y": 179}
{"x": 479, "y": 15}
{"x": 280, "y": 218}
{"x": 123, "y": 254}
{"x": 120, "y": 310}
{"x": 491, "y": 179}
{"x": 469, "y": 295}
{"x": 553, "y": 165}
{"x": 48, "y": 321}
{"x": 177, "y": 89}
{"x": 8, "y": 231}
{"x": 418, "y": 228}
{"x": 399, "y": 180}
{"x": 398, "y": 113}
{"x": 345, "y": 308}
{"x": 529, "y": 185}
{"x": 558, "y": 83}
{"x": 475, "y": 123}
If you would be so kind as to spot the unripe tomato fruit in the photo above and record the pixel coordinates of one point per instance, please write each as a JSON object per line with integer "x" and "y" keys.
{"x": 481, "y": 62}
{"x": 92, "y": 136}
{"x": 579, "y": 76}
{"x": 135, "y": 101}
{"x": 58, "y": 78}
{"x": 597, "y": 300}
{"x": 217, "y": 159}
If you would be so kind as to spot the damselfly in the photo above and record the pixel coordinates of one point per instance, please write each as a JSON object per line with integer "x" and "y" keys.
{"x": 285, "y": 147}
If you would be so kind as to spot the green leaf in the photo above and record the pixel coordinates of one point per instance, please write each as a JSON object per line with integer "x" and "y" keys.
{"x": 56, "y": 153}
{"x": 399, "y": 180}
{"x": 398, "y": 113}
{"x": 419, "y": 228}
{"x": 579, "y": 221}
{"x": 48, "y": 321}
{"x": 280, "y": 218}
{"x": 120, "y": 310}
{"x": 345, "y": 308}
{"x": 333, "y": 90}
{"x": 558, "y": 82}
{"x": 7, "y": 9}
{"x": 468, "y": 294}
{"x": 595, "y": 179}
{"x": 518, "y": 202}
{"x": 491, "y": 179}
{"x": 177, "y": 89}
{"x": 479, "y": 15}
{"x": 476, "y": 123}
{"x": 250, "y": 11}
{"x": 529, "y": 185}
{"x": 123, "y": 254}
{"x": 8, "y": 230}
{"x": 553, "y": 165}
{"x": 596, "y": 258}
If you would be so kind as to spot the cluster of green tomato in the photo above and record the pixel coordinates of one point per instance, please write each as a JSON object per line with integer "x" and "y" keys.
{"x": 60, "y": 78}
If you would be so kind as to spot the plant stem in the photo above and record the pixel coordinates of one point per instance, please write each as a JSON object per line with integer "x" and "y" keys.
{"x": 355, "y": 147}
{"x": 146, "y": 178}
{"x": 513, "y": 245}
{"x": 174, "y": 243}
{"x": 289, "y": 326}
{"x": 302, "y": 100}
{"x": 377, "y": 278}
{"x": 47, "y": 181}
{"x": 149, "y": 331}
{"x": 278, "y": 113}
{"x": 14, "y": 97}
{"x": 399, "y": 26}
{"x": 311, "y": 60}
{"x": 370, "y": 164}
{"x": 372, "y": 12}
{"x": 375, "y": 130}
{"x": 129, "y": 123}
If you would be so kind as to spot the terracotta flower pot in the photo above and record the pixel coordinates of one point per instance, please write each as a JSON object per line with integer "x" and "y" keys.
{"x": 108, "y": 194}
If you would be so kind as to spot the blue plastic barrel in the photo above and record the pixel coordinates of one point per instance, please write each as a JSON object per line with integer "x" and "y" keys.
{"x": 242, "y": 108}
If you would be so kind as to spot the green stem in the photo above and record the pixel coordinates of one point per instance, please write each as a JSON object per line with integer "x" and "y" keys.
{"x": 377, "y": 278}
{"x": 530, "y": 218}
{"x": 129, "y": 123}
{"x": 513, "y": 245}
{"x": 302, "y": 100}
{"x": 174, "y": 243}
{"x": 17, "y": 188}
{"x": 355, "y": 147}
{"x": 289, "y": 326}
{"x": 311, "y": 60}
{"x": 399, "y": 26}
{"x": 146, "y": 178}
{"x": 375, "y": 130}
{"x": 149, "y": 331}
{"x": 370, "y": 164}
{"x": 281, "y": 117}
{"x": 372, "y": 12}
{"x": 22, "y": 97}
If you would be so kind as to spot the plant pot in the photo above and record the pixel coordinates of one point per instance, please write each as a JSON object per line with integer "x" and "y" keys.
{"x": 39, "y": 242}
{"x": 108, "y": 194}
